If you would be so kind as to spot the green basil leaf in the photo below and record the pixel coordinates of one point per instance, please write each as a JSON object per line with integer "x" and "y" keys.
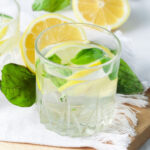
{"x": 50, "y": 5}
{"x": 106, "y": 68}
{"x": 18, "y": 85}
{"x": 128, "y": 82}
{"x": 37, "y": 62}
{"x": 63, "y": 71}
{"x": 114, "y": 73}
{"x": 58, "y": 82}
{"x": 113, "y": 51}
{"x": 55, "y": 58}
{"x": 87, "y": 56}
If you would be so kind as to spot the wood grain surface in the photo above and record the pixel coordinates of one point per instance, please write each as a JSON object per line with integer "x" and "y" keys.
{"x": 143, "y": 134}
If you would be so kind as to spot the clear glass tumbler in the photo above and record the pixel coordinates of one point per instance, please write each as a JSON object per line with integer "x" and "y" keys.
{"x": 9, "y": 25}
{"x": 76, "y": 78}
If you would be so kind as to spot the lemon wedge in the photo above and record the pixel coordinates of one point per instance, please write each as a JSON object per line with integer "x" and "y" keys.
{"x": 58, "y": 34}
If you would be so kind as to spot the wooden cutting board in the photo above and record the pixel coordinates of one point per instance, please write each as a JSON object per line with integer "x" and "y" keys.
{"x": 143, "y": 134}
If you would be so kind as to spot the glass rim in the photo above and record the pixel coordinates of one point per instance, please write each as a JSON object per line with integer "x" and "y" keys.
{"x": 80, "y": 66}
{"x": 13, "y": 19}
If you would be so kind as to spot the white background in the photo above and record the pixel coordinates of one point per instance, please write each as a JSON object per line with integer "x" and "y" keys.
{"x": 137, "y": 28}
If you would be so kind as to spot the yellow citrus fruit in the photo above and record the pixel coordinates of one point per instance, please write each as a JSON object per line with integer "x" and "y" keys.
{"x": 56, "y": 35}
{"x": 107, "y": 13}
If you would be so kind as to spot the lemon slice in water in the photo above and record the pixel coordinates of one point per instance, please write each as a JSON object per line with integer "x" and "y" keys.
{"x": 66, "y": 51}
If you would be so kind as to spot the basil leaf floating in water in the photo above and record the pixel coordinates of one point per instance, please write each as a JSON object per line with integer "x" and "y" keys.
{"x": 87, "y": 56}
{"x": 37, "y": 62}
{"x": 18, "y": 85}
{"x": 54, "y": 58}
{"x": 50, "y": 5}
{"x": 106, "y": 68}
{"x": 63, "y": 71}
{"x": 58, "y": 82}
{"x": 113, "y": 51}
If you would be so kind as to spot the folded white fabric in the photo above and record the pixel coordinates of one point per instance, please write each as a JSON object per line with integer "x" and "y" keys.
{"x": 23, "y": 124}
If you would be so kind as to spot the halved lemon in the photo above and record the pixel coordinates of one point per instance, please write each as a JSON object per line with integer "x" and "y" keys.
{"x": 56, "y": 35}
{"x": 107, "y": 13}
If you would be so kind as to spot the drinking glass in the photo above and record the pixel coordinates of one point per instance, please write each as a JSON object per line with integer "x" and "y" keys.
{"x": 76, "y": 100}
{"x": 9, "y": 25}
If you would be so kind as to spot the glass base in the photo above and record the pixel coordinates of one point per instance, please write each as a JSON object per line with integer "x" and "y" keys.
{"x": 77, "y": 120}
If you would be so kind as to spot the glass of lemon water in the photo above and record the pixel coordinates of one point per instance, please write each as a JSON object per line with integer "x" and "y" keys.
{"x": 76, "y": 78}
{"x": 9, "y": 25}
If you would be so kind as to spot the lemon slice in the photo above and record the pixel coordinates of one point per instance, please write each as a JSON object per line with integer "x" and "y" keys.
{"x": 66, "y": 51}
{"x": 58, "y": 34}
{"x": 107, "y": 13}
